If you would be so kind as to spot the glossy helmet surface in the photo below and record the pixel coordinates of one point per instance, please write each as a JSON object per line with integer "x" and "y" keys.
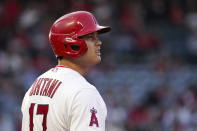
{"x": 65, "y": 32}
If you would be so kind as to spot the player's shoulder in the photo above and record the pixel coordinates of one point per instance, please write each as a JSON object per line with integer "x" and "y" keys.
{"x": 71, "y": 79}
{"x": 70, "y": 82}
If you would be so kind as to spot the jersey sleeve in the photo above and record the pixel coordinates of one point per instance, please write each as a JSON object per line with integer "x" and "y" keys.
{"x": 88, "y": 111}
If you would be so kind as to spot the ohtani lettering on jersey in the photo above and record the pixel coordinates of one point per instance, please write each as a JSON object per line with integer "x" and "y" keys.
{"x": 45, "y": 87}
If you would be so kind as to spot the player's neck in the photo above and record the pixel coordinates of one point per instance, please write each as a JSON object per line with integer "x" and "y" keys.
{"x": 80, "y": 69}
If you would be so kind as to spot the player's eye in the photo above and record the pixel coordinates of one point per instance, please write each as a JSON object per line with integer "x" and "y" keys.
{"x": 90, "y": 37}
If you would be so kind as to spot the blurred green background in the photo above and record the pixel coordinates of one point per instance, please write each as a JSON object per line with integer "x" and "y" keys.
{"x": 148, "y": 74}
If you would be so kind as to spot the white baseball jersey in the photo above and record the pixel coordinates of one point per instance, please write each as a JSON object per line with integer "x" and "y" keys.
{"x": 62, "y": 100}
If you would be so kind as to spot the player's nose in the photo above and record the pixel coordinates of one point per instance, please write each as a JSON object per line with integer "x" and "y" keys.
{"x": 98, "y": 42}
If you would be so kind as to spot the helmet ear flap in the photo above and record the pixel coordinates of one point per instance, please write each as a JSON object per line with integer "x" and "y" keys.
{"x": 74, "y": 47}
{"x": 65, "y": 45}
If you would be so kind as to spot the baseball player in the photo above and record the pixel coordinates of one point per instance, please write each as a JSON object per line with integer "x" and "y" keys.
{"x": 61, "y": 99}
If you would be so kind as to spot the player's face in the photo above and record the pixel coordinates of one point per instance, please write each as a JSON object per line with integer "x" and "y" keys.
{"x": 93, "y": 55}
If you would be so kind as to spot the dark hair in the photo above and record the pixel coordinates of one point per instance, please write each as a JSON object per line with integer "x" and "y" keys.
{"x": 59, "y": 57}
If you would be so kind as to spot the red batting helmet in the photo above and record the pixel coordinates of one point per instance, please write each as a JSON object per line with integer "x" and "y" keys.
{"x": 65, "y": 32}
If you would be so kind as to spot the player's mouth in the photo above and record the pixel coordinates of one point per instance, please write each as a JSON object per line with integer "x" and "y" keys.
{"x": 98, "y": 52}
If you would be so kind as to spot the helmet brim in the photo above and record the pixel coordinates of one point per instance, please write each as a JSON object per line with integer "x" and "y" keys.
{"x": 103, "y": 29}
{"x": 98, "y": 28}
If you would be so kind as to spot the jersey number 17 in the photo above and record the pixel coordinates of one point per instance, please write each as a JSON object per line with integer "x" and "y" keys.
{"x": 41, "y": 110}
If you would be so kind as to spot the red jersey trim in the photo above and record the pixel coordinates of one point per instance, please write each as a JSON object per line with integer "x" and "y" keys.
{"x": 62, "y": 66}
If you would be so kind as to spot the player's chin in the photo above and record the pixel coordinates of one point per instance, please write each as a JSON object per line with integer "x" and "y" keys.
{"x": 97, "y": 59}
